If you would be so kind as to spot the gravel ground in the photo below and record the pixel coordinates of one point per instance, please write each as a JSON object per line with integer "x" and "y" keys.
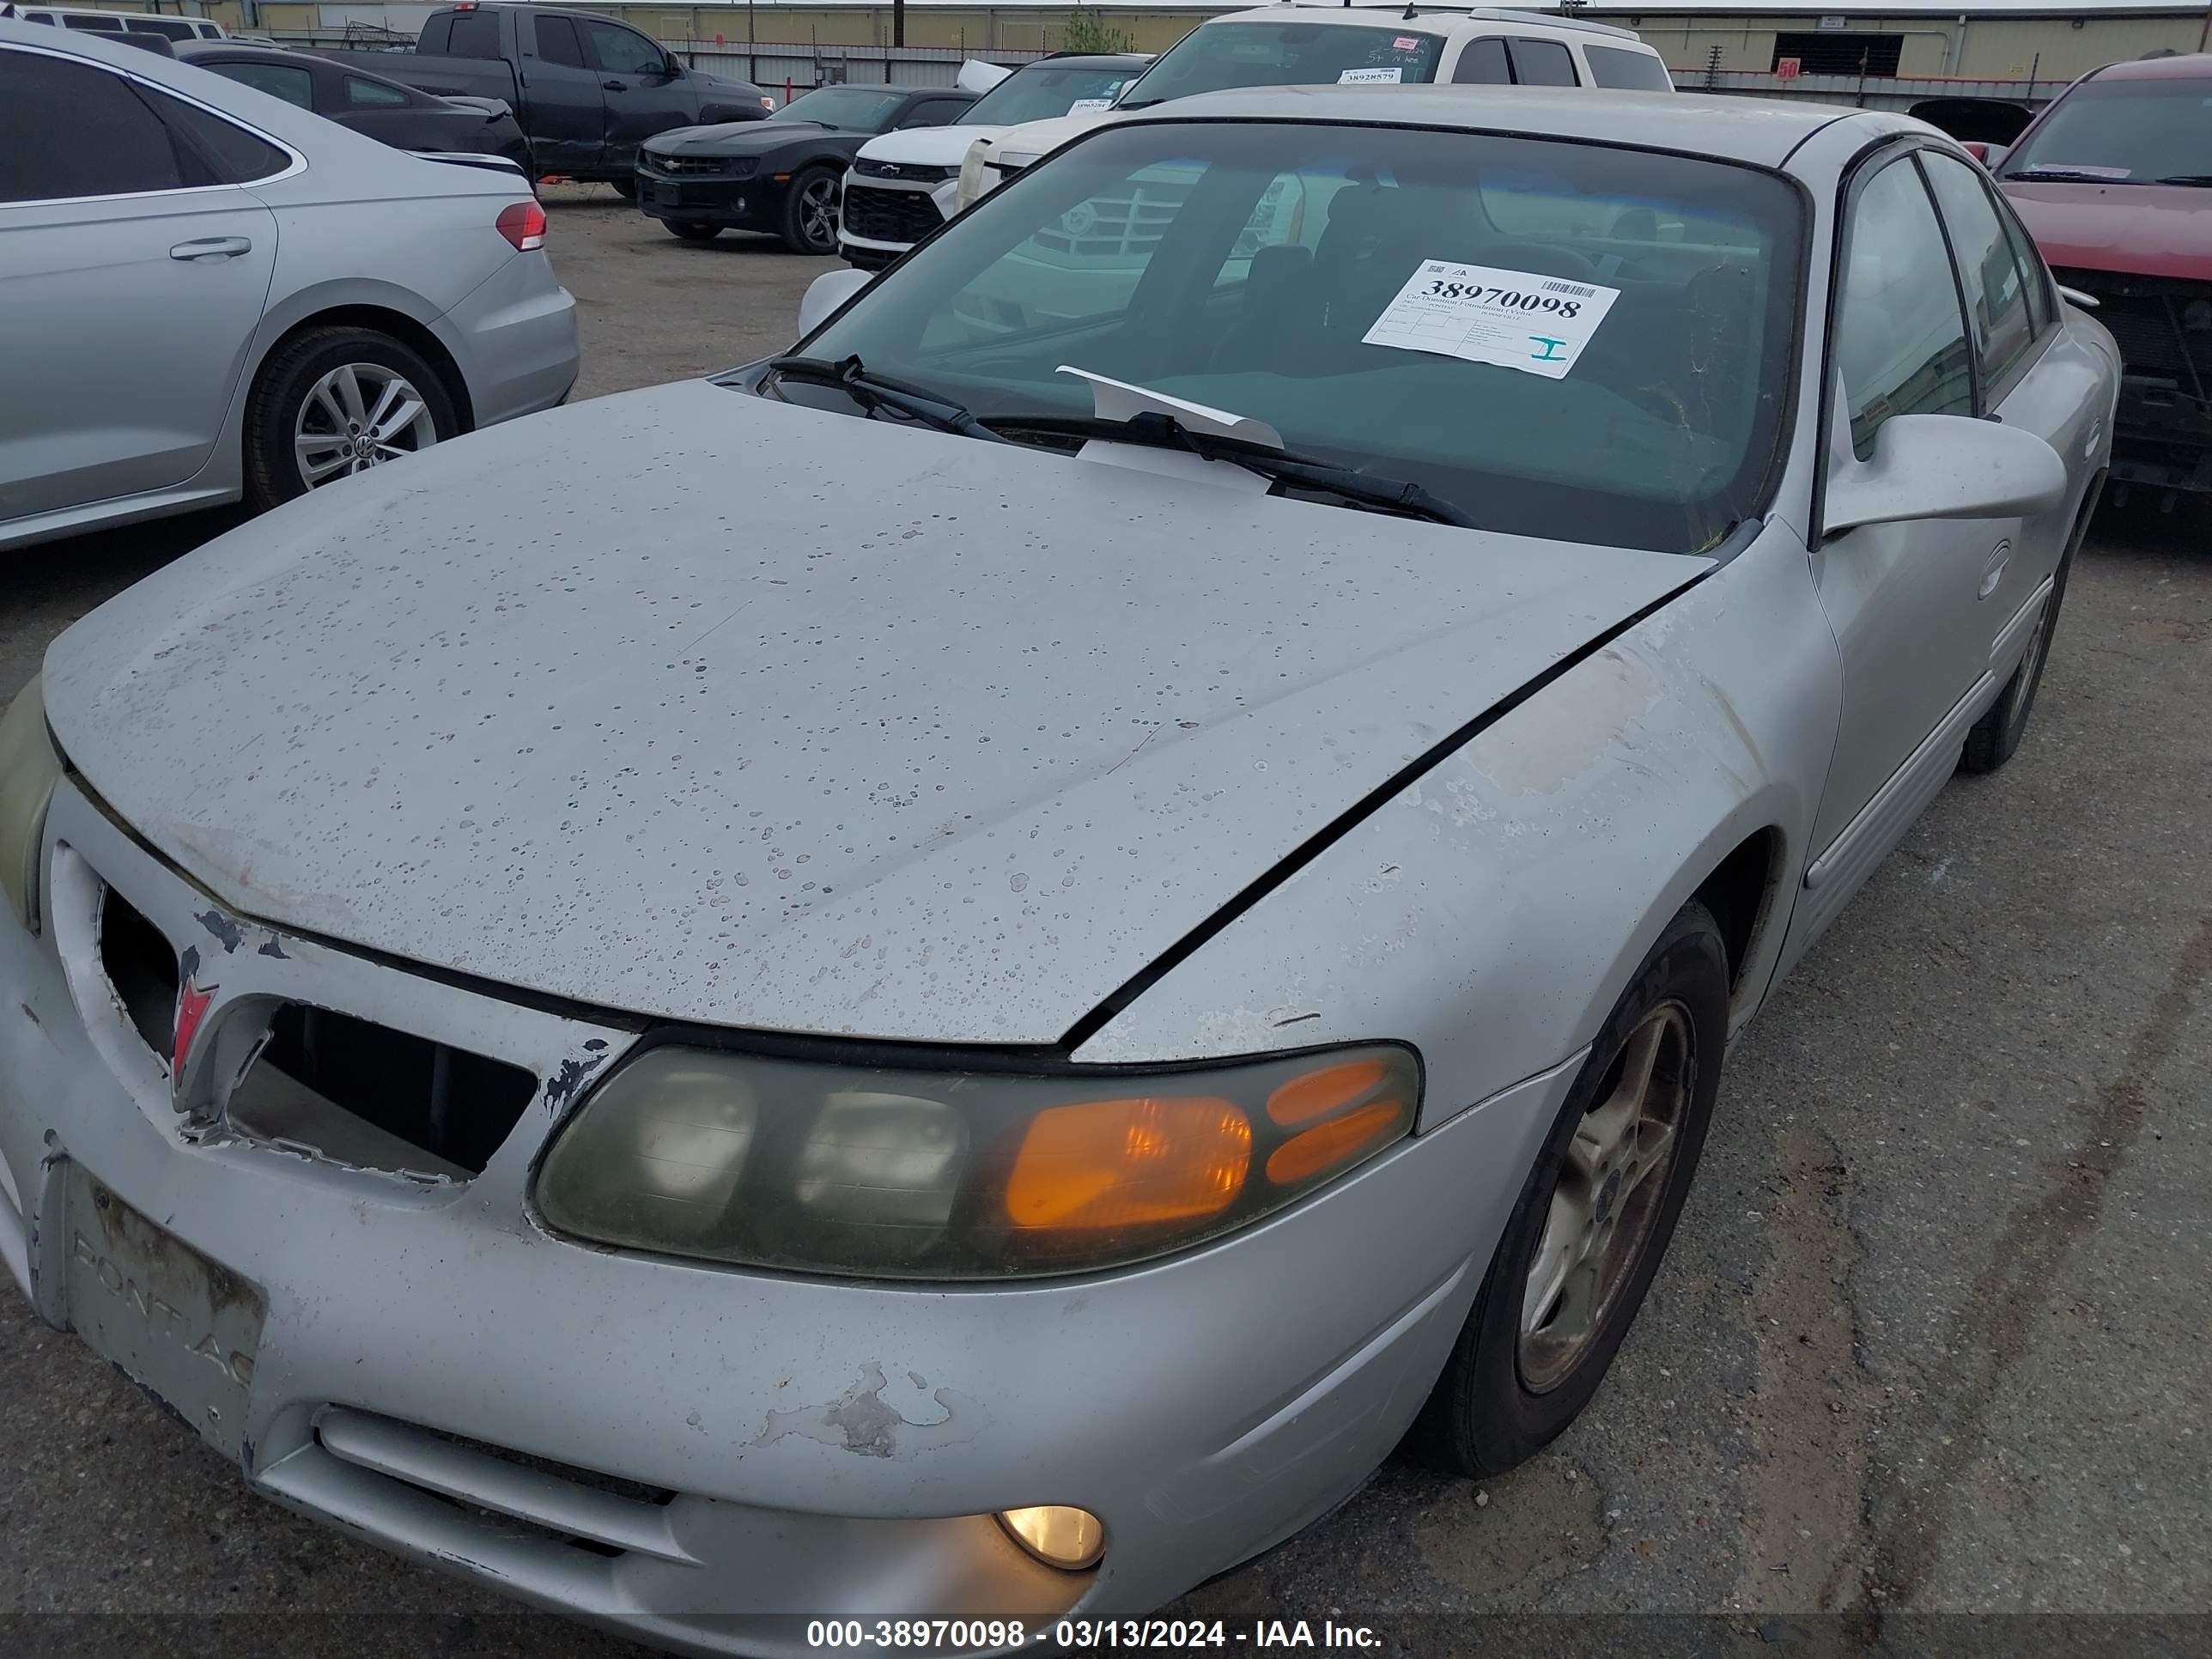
{"x": 1932, "y": 1340}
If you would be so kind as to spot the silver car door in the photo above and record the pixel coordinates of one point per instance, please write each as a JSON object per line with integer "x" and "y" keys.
{"x": 1902, "y": 599}
{"x": 2031, "y": 377}
{"x": 132, "y": 286}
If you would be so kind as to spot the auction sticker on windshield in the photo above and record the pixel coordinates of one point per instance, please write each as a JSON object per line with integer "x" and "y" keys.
{"x": 1514, "y": 319}
{"x": 1371, "y": 77}
{"x": 1082, "y": 106}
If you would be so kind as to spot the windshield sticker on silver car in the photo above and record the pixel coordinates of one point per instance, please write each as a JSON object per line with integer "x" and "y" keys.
{"x": 1366, "y": 77}
{"x": 1514, "y": 319}
{"x": 1084, "y": 105}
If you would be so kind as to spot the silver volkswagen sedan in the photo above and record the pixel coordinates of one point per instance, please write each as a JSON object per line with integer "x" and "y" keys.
{"x": 1164, "y": 917}
{"x": 207, "y": 292}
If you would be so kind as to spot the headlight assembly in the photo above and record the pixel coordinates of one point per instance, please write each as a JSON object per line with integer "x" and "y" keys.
{"x": 29, "y": 768}
{"x": 916, "y": 1174}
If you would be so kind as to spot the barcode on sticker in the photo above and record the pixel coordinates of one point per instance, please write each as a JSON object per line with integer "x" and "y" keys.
{"x": 1575, "y": 288}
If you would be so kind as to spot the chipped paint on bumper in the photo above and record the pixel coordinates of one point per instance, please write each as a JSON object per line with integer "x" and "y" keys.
{"x": 830, "y": 1447}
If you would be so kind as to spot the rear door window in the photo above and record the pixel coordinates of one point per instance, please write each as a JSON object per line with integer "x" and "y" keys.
{"x": 1542, "y": 63}
{"x": 1483, "y": 65}
{"x": 234, "y": 156}
{"x": 70, "y": 130}
{"x": 558, "y": 42}
{"x": 475, "y": 34}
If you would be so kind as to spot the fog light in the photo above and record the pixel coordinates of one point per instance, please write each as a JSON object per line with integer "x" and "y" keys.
{"x": 1058, "y": 1536}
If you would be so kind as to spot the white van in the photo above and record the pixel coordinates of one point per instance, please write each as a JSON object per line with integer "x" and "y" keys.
{"x": 123, "y": 22}
{"x": 1306, "y": 43}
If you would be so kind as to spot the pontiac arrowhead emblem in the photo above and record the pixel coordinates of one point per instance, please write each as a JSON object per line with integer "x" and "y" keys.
{"x": 192, "y": 1000}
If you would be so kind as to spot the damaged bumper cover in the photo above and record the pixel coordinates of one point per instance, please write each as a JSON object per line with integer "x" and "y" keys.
{"x": 702, "y": 1456}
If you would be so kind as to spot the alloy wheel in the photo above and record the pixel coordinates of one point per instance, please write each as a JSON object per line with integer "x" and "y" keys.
{"x": 817, "y": 213}
{"x": 357, "y": 417}
{"x": 1601, "y": 1210}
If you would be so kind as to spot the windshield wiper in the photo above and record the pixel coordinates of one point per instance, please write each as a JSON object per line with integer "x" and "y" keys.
{"x": 2199, "y": 179}
{"x": 1157, "y": 431}
{"x": 2084, "y": 175}
{"x": 874, "y": 392}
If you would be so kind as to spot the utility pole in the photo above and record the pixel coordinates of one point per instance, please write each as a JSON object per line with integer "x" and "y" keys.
{"x": 898, "y": 22}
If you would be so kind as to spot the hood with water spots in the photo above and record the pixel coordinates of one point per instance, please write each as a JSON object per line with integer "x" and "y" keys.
{"x": 711, "y": 707}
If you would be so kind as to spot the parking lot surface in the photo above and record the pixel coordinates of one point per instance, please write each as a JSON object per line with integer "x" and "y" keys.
{"x": 1936, "y": 1335}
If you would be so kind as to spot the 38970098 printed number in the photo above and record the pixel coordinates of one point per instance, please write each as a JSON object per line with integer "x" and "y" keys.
{"x": 1505, "y": 299}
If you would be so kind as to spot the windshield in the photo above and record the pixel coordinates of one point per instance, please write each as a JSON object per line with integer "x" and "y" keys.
{"x": 1215, "y": 56}
{"x": 2123, "y": 131}
{"x": 862, "y": 109}
{"x": 1043, "y": 92}
{"x": 1564, "y": 340}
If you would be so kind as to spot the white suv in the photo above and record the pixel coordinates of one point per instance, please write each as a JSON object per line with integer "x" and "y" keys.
{"x": 1309, "y": 44}
{"x": 902, "y": 185}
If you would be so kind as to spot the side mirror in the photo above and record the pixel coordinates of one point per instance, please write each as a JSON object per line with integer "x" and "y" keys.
{"x": 1945, "y": 466}
{"x": 827, "y": 292}
{"x": 1990, "y": 155}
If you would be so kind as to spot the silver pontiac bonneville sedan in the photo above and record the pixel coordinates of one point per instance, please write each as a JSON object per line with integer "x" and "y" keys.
{"x": 1159, "y": 913}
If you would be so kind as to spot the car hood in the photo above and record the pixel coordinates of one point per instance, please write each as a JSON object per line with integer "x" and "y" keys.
{"x": 928, "y": 147}
{"x": 644, "y": 702}
{"x": 1037, "y": 137}
{"x": 2145, "y": 230}
{"x": 735, "y": 137}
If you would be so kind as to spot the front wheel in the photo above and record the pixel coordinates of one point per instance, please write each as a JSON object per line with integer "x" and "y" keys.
{"x": 691, "y": 230}
{"x": 332, "y": 402}
{"x": 1593, "y": 1217}
{"x": 626, "y": 188}
{"x": 810, "y": 212}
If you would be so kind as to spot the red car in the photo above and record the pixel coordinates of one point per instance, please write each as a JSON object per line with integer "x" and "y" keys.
{"x": 2114, "y": 181}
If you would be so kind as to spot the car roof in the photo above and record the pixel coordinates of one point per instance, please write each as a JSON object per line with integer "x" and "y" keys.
{"x": 2183, "y": 66}
{"x": 1759, "y": 131}
{"x": 1380, "y": 14}
{"x": 1088, "y": 60}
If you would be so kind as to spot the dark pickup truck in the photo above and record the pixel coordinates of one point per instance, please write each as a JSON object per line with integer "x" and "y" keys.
{"x": 587, "y": 90}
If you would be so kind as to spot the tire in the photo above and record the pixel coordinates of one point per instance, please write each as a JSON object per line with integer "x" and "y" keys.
{"x": 691, "y": 230}
{"x": 1996, "y": 735}
{"x": 278, "y": 416}
{"x": 806, "y": 228}
{"x": 625, "y": 187}
{"x": 1506, "y": 1394}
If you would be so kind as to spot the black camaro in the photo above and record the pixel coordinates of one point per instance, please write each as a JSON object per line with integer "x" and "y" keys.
{"x": 370, "y": 104}
{"x": 781, "y": 175}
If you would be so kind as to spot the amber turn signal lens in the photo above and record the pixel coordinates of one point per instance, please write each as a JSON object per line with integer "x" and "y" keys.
{"x": 1327, "y": 1145}
{"x": 1110, "y": 1164}
{"x": 1304, "y": 1099}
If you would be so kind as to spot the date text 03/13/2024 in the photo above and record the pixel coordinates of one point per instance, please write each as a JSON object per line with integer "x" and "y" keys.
{"x": 1082, "y": 1635}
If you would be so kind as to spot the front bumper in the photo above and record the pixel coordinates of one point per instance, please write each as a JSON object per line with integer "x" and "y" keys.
{"x": 702, "y": 1457}
{"x": 754, "y": 203}
{"x": 879, "y": 219}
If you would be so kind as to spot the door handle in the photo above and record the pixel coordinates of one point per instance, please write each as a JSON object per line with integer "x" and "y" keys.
{"x": 1993, "y": 567}
{"x": 616, "y": 86}
{"x": 212, "y": 247}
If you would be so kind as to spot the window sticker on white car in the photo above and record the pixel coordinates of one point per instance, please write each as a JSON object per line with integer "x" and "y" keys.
{"x": 1083, "y": 105}
{"x": 1514, "y": 319}
{"x": 1405, "y": 43}
{"x": 1363, "y": 77}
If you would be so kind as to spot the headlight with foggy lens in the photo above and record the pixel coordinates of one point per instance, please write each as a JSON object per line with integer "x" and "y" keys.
{"x": 893, "y": 1173}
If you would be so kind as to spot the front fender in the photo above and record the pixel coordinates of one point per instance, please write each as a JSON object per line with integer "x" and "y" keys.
{"x": 1491, "y": 912}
